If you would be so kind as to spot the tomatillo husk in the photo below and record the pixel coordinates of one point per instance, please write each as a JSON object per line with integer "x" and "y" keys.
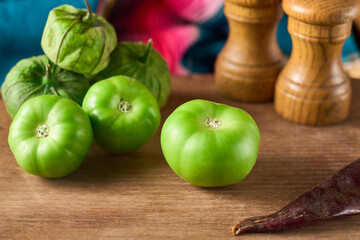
{"x": 78, "y": 40}
{"x": 39, "y": 76}
{"x": 142, "y": 62}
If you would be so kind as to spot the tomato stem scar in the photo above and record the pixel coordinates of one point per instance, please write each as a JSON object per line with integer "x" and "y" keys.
{"x": 212, "y": 122}
{"x": 42, "y": 131}
{"x": 124, "y": 106}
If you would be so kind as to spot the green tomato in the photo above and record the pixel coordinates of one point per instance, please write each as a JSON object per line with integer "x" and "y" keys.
{"x": 36, "y": 76}
{"x": 50, "y": 136}
{"x": 78, "y": 40}
{"x": 123, "y": 113}
{"x": 210, "y": 144}
{"x": 142, "y": 62}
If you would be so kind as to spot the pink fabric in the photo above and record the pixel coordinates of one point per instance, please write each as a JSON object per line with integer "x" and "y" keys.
{"x": 195, "y": 10}
{"x": 171, "y": 42}
{"x": 170, "y": 23}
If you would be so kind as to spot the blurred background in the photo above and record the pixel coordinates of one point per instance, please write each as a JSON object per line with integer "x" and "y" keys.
{"x": 188, "y": 33}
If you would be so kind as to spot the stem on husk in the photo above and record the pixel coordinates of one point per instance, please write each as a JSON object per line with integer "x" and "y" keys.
{"x": 89, "y": 13}
{"x": 146, "y": 56}
{"x": 47, "y": 72}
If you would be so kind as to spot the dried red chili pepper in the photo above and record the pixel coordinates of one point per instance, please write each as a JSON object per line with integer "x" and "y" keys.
{"x": 337, "y": 196}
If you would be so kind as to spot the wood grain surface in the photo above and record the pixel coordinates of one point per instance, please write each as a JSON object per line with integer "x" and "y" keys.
{"x": 313, "y": 88}
{"x": 137, "y": 196}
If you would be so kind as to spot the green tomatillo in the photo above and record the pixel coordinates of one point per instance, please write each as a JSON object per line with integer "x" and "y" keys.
{"x": 210, "y": 144}
{"x": 78, "y": 40}
{"x": 50, "y": 136}
{"x": 142, "y": 62}
{"x": 38, "y": 76}
{"x": 123, "y": 113}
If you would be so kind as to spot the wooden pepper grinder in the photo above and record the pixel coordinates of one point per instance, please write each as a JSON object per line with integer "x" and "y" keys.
{"x": 313, "y": 89}
{"x": 247, "y": 67}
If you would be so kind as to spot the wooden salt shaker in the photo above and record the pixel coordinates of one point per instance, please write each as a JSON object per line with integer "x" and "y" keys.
{"x": 313, "y": 89}
{"x": 247, "y": 67}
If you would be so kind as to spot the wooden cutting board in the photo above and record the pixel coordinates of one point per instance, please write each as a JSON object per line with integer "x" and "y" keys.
{"x": 137, "y": 196}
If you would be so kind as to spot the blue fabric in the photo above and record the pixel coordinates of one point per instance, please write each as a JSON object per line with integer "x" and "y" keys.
{"x": 21, "y": 25}
{"x": 201, "y": 56}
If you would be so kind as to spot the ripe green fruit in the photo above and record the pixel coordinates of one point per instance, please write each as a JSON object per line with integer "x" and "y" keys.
{"x": 123, "y": 113}
{"x": 210, "y": 144}
{"x": 78, "y": 40}
{"x": 142, "y": 62}
{"x": 50, "y": 136}
{"x": 38, "y": 76}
